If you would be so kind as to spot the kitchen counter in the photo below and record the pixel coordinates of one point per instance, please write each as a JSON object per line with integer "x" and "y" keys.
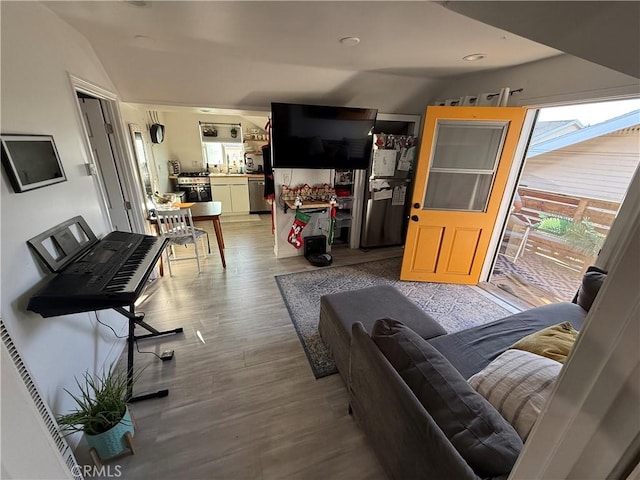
{"x": 248, "y": 175}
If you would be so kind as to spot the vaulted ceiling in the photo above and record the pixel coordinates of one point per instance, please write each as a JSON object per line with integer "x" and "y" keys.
{"x": 246, "y": 54}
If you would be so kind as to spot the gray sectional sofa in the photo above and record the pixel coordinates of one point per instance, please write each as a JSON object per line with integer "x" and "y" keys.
{"x": 413, "y": 437}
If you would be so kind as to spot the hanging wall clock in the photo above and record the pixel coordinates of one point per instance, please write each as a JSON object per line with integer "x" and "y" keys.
{"x": 157, "y": 133}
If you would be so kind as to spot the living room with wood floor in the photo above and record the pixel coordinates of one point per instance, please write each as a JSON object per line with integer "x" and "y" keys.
{"x": 317, "y": 335}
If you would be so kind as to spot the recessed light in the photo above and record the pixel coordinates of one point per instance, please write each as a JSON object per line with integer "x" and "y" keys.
{"x": 350, "y": 41}
{"x": 474, "y": 56}
{"x": 205, "y": 110}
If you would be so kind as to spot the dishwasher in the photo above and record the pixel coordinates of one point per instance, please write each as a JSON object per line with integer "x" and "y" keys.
{"x": 257, "y": 203}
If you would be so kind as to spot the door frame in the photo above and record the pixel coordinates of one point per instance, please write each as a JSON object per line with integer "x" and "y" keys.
{"x": 608, "y": 252}
{"x": 513, "y": 181}
{"x": 122, "y": 153}
{"x": 518, "y": 141}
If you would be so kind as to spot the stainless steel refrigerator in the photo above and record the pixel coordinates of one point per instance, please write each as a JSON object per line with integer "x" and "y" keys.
{"x": 388, "y": 190}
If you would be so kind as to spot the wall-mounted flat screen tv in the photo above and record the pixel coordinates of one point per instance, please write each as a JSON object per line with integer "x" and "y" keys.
{"x": 31, "y": 161}
{"x": 320, "y": 136}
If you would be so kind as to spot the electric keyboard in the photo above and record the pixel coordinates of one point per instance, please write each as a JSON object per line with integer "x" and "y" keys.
{"x": 112, "y": 273}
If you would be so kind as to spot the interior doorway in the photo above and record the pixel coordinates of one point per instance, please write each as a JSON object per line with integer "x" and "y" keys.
{"x": 577, "y": 170}
{"x": 98, "y": 128}
{"x": 116, "y": 176}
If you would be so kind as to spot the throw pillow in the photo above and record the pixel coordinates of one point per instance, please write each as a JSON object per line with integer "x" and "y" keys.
{"x": 482, "y": 437}
{"x": 590, "y": 286}
{"x": 517, "y": 384}
{"x": 553, "y": 342}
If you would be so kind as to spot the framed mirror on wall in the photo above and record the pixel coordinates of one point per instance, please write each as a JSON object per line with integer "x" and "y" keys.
{"x": 142, "y": 163}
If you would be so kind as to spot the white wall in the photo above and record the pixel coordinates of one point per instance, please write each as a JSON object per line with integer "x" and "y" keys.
{"x": 183, "y": 136}
{"x": 22, "y": 425}
{"x": 38, "y": 53}
{"x": 561, "y": 79}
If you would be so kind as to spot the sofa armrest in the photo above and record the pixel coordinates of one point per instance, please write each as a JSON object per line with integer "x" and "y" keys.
{"x": 408, "y": 442}
{"x": 592, "y": 281}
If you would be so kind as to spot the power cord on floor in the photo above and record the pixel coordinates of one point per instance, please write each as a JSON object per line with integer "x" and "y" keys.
{"x": 123, "y": 336}
{"x": 139, "y": 351}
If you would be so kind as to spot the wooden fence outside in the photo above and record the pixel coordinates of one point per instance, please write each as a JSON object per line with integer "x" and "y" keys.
{"x": 536, "y": 202}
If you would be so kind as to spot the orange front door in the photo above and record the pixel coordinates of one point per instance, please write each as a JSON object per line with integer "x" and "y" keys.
{"x": 461, "y": 175}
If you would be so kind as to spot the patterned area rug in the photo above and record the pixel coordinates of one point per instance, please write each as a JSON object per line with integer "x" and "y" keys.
{"x": 456, "y": 307}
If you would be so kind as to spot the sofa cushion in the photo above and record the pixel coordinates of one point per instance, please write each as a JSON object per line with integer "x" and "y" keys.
{"x": 473, "y": 349}
{"x": 339, "y": 311}
{"x": 517, "y": 383}
{"x": 482, "y": 437}
{"x": 590, "y": 286}
{"x": 553, "y": 342}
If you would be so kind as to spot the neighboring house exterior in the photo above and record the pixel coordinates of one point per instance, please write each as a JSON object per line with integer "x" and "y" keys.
{"x": 546, "y": 130}
{"x": 594, "y": 162}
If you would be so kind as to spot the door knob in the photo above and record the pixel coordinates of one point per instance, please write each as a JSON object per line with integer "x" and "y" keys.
{"x": 416, "y": 205}
{"x": 415, "y": 218}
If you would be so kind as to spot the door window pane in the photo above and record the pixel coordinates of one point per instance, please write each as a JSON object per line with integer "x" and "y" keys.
{"x": 458, "y": 191}
{"x": 465, "y": 157}
{"x": 461, "y": 145}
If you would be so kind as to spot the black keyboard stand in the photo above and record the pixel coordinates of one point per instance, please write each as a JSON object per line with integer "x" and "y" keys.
{"x": 131, "y": 338}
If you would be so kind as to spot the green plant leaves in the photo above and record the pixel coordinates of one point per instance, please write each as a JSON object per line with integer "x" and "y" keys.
{"x": 581, "y": 236}
{"x": 101, "y": 402}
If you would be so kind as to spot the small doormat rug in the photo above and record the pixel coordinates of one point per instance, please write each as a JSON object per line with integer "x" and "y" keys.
{"x": 455, "y": 307}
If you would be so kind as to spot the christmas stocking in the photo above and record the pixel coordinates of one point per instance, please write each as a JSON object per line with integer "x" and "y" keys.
{"x": 295, "y": 235}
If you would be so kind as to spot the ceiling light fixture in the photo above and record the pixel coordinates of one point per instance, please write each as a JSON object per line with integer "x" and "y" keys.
{"x": 350, "y": 41}
{"x": 474, "y": 57}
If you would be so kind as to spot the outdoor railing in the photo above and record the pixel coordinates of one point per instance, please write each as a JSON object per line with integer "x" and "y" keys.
{"x": 591, "y": 218}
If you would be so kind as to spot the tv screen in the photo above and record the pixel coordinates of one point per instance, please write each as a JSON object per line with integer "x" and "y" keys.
{"x": 31, "y": 161}
{"x": 320, "y": 136}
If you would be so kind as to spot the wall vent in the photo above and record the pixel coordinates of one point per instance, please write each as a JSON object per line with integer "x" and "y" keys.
{"x": 43, "y": 409}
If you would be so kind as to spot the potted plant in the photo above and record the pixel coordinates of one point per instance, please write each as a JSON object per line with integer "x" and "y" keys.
{"x": 102, "y": 414}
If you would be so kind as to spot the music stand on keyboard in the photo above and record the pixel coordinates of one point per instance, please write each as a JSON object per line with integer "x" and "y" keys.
{"x": 68, "y": 250}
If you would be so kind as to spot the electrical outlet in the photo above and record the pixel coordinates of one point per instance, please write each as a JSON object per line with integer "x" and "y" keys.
{"x": 323, "y": 225}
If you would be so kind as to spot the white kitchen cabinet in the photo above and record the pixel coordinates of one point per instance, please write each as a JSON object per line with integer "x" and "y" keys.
{"x": 222, "y": 193}
{"x": 233, "y": 192}
{"x": 240, "y": 198}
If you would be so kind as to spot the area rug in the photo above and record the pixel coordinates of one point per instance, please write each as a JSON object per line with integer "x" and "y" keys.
{"x": 455, "y": 307}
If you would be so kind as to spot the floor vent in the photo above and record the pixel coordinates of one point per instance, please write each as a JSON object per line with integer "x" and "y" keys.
{"x": 42, "y": 407}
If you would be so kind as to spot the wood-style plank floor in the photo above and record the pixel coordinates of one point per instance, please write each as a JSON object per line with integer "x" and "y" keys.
{"x": 243, "y": 402}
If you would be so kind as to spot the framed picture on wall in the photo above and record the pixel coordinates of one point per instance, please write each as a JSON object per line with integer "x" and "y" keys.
{"x": 31, "y": 161}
